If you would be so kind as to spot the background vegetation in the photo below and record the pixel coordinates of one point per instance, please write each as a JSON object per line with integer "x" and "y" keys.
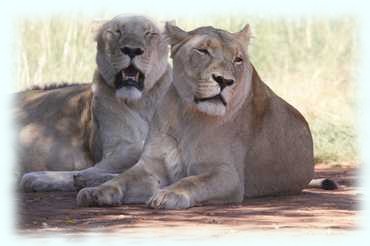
{"x": 309, "y": 62}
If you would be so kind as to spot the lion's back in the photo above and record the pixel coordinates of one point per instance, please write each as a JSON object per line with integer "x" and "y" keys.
{"x": 280, "y": 154}
{"x": 46, "y": 119}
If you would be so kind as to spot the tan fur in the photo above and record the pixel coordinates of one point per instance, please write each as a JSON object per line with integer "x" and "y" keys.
{"x": 209, "y": 152}
{"x": 50, "y": 120}
{"x": 98, "y": 126}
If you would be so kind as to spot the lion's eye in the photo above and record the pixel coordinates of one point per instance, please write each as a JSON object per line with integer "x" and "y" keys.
{"x": 202, "y": 51}
{"x": 238, "y": 59}
{"x": 151, "y": 34}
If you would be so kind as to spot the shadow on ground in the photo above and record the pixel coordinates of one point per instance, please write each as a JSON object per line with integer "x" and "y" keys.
{"x": 311, "y": 210}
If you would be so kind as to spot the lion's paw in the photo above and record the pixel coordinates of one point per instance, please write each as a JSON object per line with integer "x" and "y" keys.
{"x": 104, "y": 195}
{"x": 169, "y": 200}
{"x": 31, "y": 183}
{"x": 46, "y": 181}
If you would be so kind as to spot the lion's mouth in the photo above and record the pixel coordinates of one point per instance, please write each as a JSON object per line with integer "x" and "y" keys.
{"x": 217, "y": 97}
{"x": 130, "y": 77}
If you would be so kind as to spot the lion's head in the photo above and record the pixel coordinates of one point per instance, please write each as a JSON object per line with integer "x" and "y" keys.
{"x": 131, "y": 55}
{"x": 211, "y": 67}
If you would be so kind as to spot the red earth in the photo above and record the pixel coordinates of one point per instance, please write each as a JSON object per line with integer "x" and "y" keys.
{"x": 313, "y": 210}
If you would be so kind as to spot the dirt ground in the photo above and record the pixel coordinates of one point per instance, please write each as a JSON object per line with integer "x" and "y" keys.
{"x": 313, "y": 210}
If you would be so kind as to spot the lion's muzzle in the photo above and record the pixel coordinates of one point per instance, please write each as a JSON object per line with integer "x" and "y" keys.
{"x": 212, "y": 90}
{"x": 212, "y": 98}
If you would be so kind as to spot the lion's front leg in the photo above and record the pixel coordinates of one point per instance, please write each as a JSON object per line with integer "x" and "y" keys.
{"x": 45, "y": 181}
{"x": 91, "y": 179}
{"x": 218, "y": 185}
{"x": 140, "y": 182}
{"x": 135, "y": 185}
{"x": 121, "y": 159}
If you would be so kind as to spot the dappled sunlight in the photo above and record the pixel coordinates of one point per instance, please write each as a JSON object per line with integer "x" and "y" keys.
{"x": 314, "y": 209}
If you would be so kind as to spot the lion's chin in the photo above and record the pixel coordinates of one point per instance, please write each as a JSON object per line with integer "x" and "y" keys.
{"x": 129, "y": 93}
{"x": 211, "y": 108}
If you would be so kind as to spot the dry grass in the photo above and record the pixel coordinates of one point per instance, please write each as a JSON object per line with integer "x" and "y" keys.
{"x": 309, "y": 62}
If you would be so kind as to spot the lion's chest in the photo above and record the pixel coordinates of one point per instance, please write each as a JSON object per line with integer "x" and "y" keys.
{"x": 119, "y": 125}
{"x": 210, "y": 145}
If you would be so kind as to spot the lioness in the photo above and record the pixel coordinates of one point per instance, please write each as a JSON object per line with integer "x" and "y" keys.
{"x": 101, "y": 125}
{"x": 220, "y": 134}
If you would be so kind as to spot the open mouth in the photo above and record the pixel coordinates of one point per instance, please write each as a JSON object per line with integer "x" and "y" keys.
{"x": 217, "y": 97}
{"x": 130, "y": 76}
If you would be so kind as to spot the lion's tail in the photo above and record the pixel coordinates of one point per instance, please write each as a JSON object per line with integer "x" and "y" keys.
{"x": 323, "y": 183}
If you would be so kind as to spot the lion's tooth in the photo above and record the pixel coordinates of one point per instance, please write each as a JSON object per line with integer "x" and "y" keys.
{"x": 137, "y": 76}
{"x": 124, "y": 77}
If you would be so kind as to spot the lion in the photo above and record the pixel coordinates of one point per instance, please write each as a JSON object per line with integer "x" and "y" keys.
{"x": 82, "y": 135}
{"x": 219, "y": 136}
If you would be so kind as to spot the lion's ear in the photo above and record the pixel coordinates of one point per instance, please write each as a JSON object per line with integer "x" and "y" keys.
{"x": 244, "y": 35}
{"x": 174, "y": 34}
{"x": 96, "y": 26}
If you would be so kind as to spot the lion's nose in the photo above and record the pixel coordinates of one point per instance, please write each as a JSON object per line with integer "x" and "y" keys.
{"x": 222, "y": 82}
{"x": 132, "y": 52}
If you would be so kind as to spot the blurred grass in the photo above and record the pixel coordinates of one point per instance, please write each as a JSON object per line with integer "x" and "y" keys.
{"x": 310, "y": 62}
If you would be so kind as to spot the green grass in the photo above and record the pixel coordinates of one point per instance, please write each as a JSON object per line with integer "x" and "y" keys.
{"x": 309, "y": 62}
